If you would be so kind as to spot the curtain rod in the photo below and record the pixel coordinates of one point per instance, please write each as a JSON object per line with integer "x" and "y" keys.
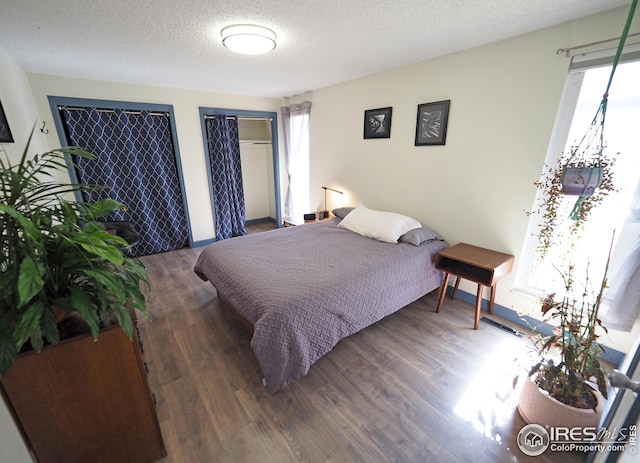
{"x": 243, "y": 118}
{"x": 567, "y": 51}
{"x": 106, "y": 110}
{"x": 254, "y": 118}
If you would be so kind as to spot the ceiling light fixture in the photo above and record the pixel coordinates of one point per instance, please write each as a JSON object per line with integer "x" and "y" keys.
{"x": 248, "y": 39}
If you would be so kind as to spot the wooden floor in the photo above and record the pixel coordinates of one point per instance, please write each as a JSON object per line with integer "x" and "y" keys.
{"x": 415, "y": 387}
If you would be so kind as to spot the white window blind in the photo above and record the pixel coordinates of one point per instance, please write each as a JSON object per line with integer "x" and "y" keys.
{"x": 594, "y": 59}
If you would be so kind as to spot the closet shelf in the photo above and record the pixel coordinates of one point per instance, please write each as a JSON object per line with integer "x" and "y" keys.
{"x": 255, "y": 142}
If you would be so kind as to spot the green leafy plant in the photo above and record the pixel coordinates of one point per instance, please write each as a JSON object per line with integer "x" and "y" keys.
{"x": 569, "y": 358}
{"x": 57, "y": 258}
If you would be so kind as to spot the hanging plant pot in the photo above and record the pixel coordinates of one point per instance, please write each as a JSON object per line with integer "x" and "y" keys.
{"x": 581, "y": 181}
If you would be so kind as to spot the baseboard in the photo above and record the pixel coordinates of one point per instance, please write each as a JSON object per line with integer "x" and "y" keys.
{"x": 610, "y": 354}
{"x": 197, "y": 244}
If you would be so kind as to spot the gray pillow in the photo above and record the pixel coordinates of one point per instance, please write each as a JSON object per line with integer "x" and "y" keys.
{"x": 420, "y": 235}
{"x": 341, "y": 212}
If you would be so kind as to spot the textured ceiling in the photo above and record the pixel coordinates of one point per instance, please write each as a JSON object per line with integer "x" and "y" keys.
{"x": 177, "y": 43}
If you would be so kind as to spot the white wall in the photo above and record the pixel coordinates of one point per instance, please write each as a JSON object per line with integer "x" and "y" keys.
{"x": 185, "y": 106}
{"x": 19, "y": 108}
{"x": 21, "y": 113}
{"x": 476, "y": 188}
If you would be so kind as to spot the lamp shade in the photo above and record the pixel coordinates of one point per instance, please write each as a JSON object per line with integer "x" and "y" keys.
{"x": 248, "y": 39}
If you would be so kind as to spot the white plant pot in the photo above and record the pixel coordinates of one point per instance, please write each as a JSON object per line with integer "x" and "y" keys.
{"x": 581, "y": 181}
{"x": 537, "y": 406}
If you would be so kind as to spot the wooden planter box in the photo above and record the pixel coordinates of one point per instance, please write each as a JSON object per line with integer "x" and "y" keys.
{"x": 85, "y": 401}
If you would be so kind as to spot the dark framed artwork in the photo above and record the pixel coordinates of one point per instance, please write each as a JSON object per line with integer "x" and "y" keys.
{"x": 431, "y": 126}
{"x": 5, "y": 131}
{"x": 377, "y": 123}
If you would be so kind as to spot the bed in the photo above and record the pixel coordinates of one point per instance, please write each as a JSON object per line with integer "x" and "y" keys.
{"x": 304, "y": 288}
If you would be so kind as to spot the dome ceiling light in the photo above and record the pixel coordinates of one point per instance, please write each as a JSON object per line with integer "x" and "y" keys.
{"x": 248, "y": 39}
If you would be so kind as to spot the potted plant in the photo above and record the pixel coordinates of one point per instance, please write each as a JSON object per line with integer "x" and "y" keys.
{"x": 57, "y": 259}
{"x": 566, "y": 385}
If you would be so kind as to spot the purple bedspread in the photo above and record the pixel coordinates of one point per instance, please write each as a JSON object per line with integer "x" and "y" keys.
{"x": 305, "y": 288}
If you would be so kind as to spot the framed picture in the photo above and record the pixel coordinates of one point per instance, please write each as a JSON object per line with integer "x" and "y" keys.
{"x": 377, "y": 123}
{"x": 5, "y": 131}
{"x": 431, "y": 126}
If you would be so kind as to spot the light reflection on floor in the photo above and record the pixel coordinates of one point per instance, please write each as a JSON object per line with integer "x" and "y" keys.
{"x": 490, "y": 401}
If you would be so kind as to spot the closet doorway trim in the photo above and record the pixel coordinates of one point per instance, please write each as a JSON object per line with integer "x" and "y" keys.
{"x": 55, "y": 101}
{"x": 250, "y": 114}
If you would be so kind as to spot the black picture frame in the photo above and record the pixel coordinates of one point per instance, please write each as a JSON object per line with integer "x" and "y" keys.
{"x": 5, "y": 131}
{"x": 377, "y": 123}
{"x": 431, "y": 123}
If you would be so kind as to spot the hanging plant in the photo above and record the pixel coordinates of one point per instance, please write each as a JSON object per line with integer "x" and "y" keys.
{"x": 554, "y": 204}
{"x": 584, "y": 171}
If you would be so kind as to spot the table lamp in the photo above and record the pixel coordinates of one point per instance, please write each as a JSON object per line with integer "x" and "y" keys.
{"x": 325, "y": 213}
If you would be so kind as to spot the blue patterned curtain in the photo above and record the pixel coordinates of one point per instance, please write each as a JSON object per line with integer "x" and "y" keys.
{"x": 226, "y": 174}
{"x": 136, "y": 161}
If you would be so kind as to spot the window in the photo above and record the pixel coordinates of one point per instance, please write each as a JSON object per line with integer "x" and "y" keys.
{"x": 583, "y": 92}
{"x": 296, "y": 134}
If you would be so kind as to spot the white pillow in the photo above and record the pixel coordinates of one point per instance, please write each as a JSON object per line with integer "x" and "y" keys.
{"x": 382, "y": 226}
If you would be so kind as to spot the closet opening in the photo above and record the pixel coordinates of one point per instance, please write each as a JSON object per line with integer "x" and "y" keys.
{"x": 257, "y": 133}
{"x": 137, "y": 161}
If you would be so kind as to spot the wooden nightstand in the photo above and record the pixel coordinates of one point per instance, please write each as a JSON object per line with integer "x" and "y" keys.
{"x": 480, "y": 265}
